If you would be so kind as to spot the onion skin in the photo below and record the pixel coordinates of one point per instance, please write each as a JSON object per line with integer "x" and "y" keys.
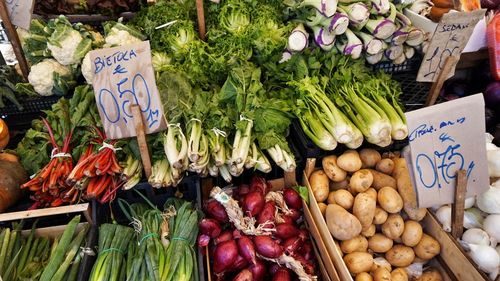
{"x": 292, "y": 198}
{"x": 246, "y": 249}
{"x": 267, "y": 247}
{"x": 244, "y": 275}
{"x": 210, "y": 227}
{"x": 282, "y": 274}
{"x": 295, "y": 215}
{"x": 215, "y": 210}
{"x": 308, "y": 266}
{"x": 287, "y": 219}
{"x": 259, "y": 184}
{"x": 203, "y": 240}
{"x": 253, "y": 203}
{"x": 273, "y": 268}
{"x": 286, "y": 230}
{"x": 258, "y": 270}
{"x": 307, "y": 251}
{"x": 243, "y": 189}
{"x": 226, "y": 235}
{"x": 267, "y": 214}
{"x": 291, "y": 245}
{"x": 239, "y": 263}
{"x": 225, "y": 255}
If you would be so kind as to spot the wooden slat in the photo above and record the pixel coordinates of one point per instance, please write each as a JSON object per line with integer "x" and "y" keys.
{"x": 200, "y": 11}
{"x": 44, "y": 212}
{"x": 451, "y": 252}
{"x": 141, "y": 139}
{"x": 442, "y": 76}
{"x": 457, "y": 211}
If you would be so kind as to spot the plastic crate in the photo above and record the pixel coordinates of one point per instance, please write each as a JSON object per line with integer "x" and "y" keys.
{"x": 411, "y": 65}
{"x": 32, "y": 109}
{"x": 414, "y": 93}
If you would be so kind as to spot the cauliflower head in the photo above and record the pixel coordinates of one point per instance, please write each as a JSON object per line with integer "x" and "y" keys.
{"x": 87, "y": 72}
{"x": 65, "y": 50}
{"x": 119, "y": 37}
{"x": 41, "y": 76}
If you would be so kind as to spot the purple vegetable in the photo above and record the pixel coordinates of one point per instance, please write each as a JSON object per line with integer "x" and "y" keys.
{"x": 338, "y": 24}
{"x": 492, "y": 95}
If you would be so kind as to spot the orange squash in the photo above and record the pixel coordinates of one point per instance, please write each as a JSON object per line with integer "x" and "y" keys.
{"x": 4, "y": 134}
{"x": 437, "y": 13}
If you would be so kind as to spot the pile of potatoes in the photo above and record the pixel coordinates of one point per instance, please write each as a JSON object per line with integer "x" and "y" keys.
{"x": 370, "y": 206}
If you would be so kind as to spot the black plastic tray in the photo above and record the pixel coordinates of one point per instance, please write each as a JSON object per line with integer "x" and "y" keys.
{"x": 32, "y": 109}
{"x": 411, "y": 65}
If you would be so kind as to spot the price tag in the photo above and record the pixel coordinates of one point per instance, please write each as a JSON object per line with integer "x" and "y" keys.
{"x": 449, "y": 39}
{"x": 20, "y": 12}
{"x": 124, "y": 76}
{"x": 445, "y": 138}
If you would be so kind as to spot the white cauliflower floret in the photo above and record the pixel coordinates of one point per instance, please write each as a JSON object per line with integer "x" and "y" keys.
{"x": 118, "y": 37}
{"x": 87, "y": 69}
{"x": 41, "y": 75}
{"x": 66, "y": 54}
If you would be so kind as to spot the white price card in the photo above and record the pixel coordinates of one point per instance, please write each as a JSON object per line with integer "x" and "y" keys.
{"x": 20, "y": 12}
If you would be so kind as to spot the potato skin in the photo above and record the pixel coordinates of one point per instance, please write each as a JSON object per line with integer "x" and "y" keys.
{"x": 319, "y": 185}
{"x": 427, "y": 247}
{"x": 358, "y": 262}
{"x": 343, "y": 198}
{"x": 363, "y": 276}
{"x": 399, "y": 274}
{"x": 412, "y": 233}
{"x": 332, "y": 170}
{"x": 400, "y": 256}
{"x": 385, "y": 166}
{"x": 364, "y": 209}
{"x": 356, "y": 244}
{"x": 369, "y": 157}
{"x": 380, "y": 216}
{"x": 390, "y": 200}
{"x": 381, "y": 274}
{"x": 379, "y": 243}
{"x": 349, "y": 161}
{"x": 393, "y": 227}
{"x": 342, "y": 224}
{"x": 361, "y": 180}
{"x": 322, "y": 208}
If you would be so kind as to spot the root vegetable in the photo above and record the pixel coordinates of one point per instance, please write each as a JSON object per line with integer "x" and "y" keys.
{"x": 364, "y": 209}
{"x": 292, "y": 198}
{"x": 412, "y": 233}
{"x": 393, "y": 227}
{"x": 349, "y": 161}
{"x": 369, "y": 232}
{"x": 385, "y": 166}
{"x": 380, "y": 216}
{"x": 363, "y": 276}
{"x": 380, "y": 243}
{"x": 372, "y": 192}
{"x": 369, "y": 157}
{"x": 253, "y": 203}
{"x": 382, "y": 180}
{"x": 244, "y": 275}
{"x": 267, "y": 214}
{"x": 258, "y": 270}
{"x": 356, "y": 244}
{"x": 210, "y": 227}
{"x": 226, "y": 235}
{"x": 400, "y": 256}
{"x": 246, "y": 249}
{"x": 319, "y": 185}
{"x": 430, "y": 275}
{"x": 331, "y": 198}
{"x": 389, "y": 199}
{"x": 215, "y": 210}
{"x": 267, "y": 247}
{"x": 282, "y": 274}
{"x": 381, "y": 262}
{"x": 381, "y": 274}
{"x": 399, "y": 274}
{"x": 286, "y": 230}
{"x": 415, "y": 214}
{"x": 343, "y": 198}
{"x": 340, "y": 185}
{"x": 322, "y": 208}
{"x": 361, "y": 180}
{"x": 358, "y": 262}
{"x": 342, "y": 224}
{"x": 404, "y": 185}
{"x": 332, "y": 170}
{"x": 225, "y": 255}
{"x": 427, "y": 247}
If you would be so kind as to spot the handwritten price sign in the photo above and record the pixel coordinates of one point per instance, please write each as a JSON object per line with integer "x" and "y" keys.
{"x": 449, "y": 39}
{"x": 445, "y": 138}
{"x": 124, "y": 76}
{"x": 20, "y": 12}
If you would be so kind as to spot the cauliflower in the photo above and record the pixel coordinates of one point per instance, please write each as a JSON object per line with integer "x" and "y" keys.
{"x": 41, "y": 76}
{"x": 87, "y": 69}
{"x": 65, "y": 50}
{"x": 119, "y": 37}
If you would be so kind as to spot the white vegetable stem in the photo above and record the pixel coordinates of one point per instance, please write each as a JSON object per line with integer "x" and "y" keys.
{"x": 298, "y": 39}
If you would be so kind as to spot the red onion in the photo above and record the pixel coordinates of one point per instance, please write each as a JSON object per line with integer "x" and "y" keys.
{"x": 244, "y": 275}
{"x": 210, "y": 227}
{"x": 306, "y": 250}
{"x": 226, "y": 235}
{"x": 292, "y": 198}
{"x": 236, "y": 234}
{"x": 286, "y": 230}
{"x": 215, "y": 210}
{"x": 267, "y": 214}
{"x": 239, "y": 263}
{"x": 253, "y": 203}
{"x": 295, "y": 214}
{"x": 225, "y": 255}
{"x": 267, "y": 247}
{"x": 273, "y": 268}
{"x": 258, "y": 270}
{"x": 287, "y": 219}
{"x": 259, "y": 184}
{"x": 304, "y": 234}
{"x": 308, "y": 266}
{"x": 282, "y": 275}
{"x": 246, "y": 249}
{"x": 243, "y": 189}
{"x": 291, "y": 245}
{"x": 203, "y": 240}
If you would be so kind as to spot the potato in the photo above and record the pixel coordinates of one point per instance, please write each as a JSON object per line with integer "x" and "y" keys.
{"x": 322, "y": 208}
{"x": 349, "y": 161}
{"x": 381, "y": 274}
{"x": 364, "y": 209}
{"x": 404, "y": 185}
{"x": 389, "y": 199}
{"x": 331, "y": 199}
{"x": 343, "y": 198}
{"x": 372, "y": 192}
{"x": 369, "y": 157}
{"x": 380, "y": 262}
{"x": 393, "y": 227}
{"x": 319, "y": 185}
{"x": 356, "y": 244}
{"x": 332, "y": 170}
{"x": 342, "y": 224}
{"x": 380, "y": 216}
{"x": 427, "y": 247}
{"x": 369, "y": 232}
{"x": 415, "y": 214}
{"x": 400, "y": 256}
{"x": 363, "y": 276}
{"x": 379, "y": 243}
{"x": 381, "y": 180}
{"x": 361, "y": 180}
{"x": 385, "y": 166}
{"x": 358, "y": 262}
{"x": 412, "y": 233}
{"x": 339, "y": 185}
{"x": 399, "y": 274}
{"x": 430, "y": 275}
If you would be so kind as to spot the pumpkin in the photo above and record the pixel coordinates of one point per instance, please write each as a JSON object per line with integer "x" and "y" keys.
{"x": 437, "y": 13}
{"x": 12, "y": 175}
{"x": 4, "y": 134}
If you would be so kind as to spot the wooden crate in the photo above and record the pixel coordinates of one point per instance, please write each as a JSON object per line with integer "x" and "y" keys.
{"x": 326, "y": 267}
{"x": 332, "y": 245}
{"x": 29, "y": 214}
